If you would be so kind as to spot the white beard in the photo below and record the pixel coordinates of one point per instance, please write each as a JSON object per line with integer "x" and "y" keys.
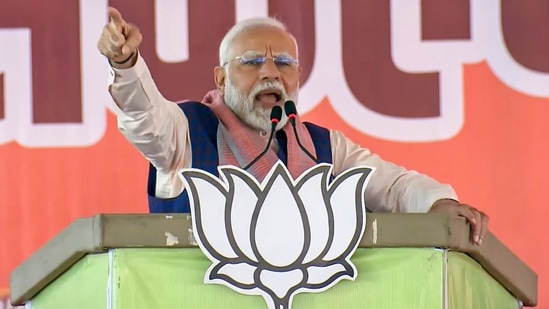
{"x": 247, "y": 111}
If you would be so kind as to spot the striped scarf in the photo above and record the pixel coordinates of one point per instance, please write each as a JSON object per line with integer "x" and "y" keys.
{"x": 238, "y": 144}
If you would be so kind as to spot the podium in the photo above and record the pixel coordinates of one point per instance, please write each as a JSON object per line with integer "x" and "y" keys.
{"x": 152, "y": 261}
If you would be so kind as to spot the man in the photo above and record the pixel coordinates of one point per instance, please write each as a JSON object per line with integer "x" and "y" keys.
{"x": 258, "y": 69}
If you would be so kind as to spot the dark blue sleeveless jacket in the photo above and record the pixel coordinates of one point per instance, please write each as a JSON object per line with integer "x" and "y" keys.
{"x": 203, "y": 133}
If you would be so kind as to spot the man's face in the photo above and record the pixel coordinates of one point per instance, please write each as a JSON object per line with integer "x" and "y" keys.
{"x": 252, "y": 87}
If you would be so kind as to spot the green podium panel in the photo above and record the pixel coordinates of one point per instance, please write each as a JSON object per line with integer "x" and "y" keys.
{"x": 173, "y": 278}
{"x": 471, "y": 287}
{"x": 404, "y": 261}
{"x": 82, "y": 286}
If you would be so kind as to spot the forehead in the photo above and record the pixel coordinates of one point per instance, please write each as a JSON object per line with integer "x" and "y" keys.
{"x": 264, "y": 38}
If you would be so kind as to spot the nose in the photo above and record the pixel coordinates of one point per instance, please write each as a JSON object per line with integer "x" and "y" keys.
{"x": 269, "y": 71}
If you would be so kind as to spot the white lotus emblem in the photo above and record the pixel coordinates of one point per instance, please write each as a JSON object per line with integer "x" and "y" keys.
{"x": 281, "y": 237}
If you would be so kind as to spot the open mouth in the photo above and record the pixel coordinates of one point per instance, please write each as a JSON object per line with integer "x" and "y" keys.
{"x": 269, "y": 96}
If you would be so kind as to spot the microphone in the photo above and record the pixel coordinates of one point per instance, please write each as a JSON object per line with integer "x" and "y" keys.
{"x": 276, "y": 115}
{"x": 291, "y": 112}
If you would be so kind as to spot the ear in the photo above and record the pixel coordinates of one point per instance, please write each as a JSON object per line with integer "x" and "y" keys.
{"x": 219, "y": 76}
{"x": 299, "y": 69}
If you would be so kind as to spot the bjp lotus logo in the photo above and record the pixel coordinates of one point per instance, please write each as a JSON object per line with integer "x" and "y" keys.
{"x": 280, "y": 237}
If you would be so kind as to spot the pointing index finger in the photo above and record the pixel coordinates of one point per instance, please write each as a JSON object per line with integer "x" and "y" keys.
{"x": 116, "y": 17}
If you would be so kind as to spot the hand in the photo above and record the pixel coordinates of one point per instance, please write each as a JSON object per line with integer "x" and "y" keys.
{"x": 119, "y": 41}
{"x": 477, "y": 219}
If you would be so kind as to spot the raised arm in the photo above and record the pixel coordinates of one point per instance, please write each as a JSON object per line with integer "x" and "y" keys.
{"x": 157, "y": 127}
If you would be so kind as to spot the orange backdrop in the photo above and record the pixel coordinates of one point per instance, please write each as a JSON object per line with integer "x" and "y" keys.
{"x": 495, "y": 156}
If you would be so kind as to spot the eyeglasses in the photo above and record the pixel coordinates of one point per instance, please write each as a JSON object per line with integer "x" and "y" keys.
{"x": 257, "y": 61}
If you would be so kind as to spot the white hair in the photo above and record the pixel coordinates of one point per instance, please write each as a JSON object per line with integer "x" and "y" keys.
{"x": 247, "y": 24}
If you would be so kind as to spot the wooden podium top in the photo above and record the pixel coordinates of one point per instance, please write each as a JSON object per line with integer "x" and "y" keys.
{"x": 103, "y": 232}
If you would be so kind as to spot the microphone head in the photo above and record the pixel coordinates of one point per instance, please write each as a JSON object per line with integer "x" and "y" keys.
{"x": 290, "y": 110}
{"x": 276, "y": 114}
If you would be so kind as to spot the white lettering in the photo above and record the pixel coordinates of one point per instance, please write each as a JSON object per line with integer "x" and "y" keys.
{"x": 171, "y": 30}
{"x": 327, "y": 78}
{"x": 15, "y": 66}
{"x": 245, "y": 9}
{"x": 95, "y": 75}
{"x": 15, "y": 62}
{"x": 487, "y": 29}
{"x": 411, "y": 54}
